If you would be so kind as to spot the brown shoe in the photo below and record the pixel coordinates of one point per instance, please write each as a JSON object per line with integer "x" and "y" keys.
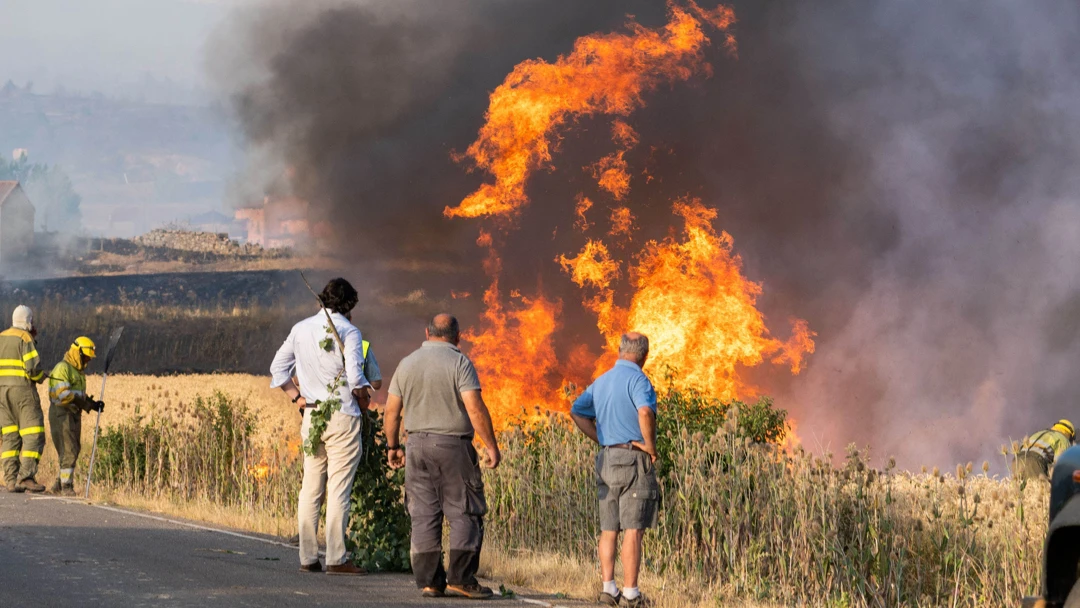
{"x": 474, "y": 591}
{"x": 345, "y": 569}
{"x": 637, "y": 602}
{"x": 13, "y": 487}
{"x": 30, "y": 485}
{"x": 316, "y": 567}
{"x": 432, "y": 592}
{"x": 609, "y": 600}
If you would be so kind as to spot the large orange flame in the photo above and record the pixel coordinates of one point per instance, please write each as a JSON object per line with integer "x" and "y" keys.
{"x": 605, "y": 74}
{"x": 686, "y": 292}
{"x": 514, "y": 351}
{"x": 691, "y": 299}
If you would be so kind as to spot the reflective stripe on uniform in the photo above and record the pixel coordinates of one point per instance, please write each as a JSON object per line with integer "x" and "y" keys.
{"x": 11, "y": 454}
{"x": 12, "y": 363}
{"x": 31, "y": 430}
{"x": 26, "y": 454}
{"x": 30, "y": 355}
{"x": 9, "y": 429}
{"x": 20, "y": 373}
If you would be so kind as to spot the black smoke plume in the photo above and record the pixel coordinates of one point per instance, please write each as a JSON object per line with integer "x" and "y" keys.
{"x": 900, "y": 174}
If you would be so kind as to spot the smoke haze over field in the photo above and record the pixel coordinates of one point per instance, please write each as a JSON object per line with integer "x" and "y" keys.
{"x": 900, "y": 174}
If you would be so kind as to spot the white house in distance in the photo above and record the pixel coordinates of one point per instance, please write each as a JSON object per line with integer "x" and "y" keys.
{"x": 16, "y": 222}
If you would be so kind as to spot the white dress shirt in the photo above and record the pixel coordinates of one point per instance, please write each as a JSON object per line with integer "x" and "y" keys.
{"x": 316, "y": 367}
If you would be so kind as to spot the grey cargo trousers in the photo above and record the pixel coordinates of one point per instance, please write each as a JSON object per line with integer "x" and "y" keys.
{"x": 442, "y": 479}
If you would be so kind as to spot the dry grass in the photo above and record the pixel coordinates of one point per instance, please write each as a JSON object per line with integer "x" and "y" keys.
{"x": 740, "y": 522}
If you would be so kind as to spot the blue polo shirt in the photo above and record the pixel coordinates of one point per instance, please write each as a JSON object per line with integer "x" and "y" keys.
{"x": 613, "y": 401}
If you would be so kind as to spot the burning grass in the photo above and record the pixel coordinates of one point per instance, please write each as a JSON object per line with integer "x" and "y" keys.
{"x": 742, "y": 523}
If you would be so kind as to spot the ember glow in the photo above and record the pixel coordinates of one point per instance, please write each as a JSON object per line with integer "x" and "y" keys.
{"x": 686, "y": 291}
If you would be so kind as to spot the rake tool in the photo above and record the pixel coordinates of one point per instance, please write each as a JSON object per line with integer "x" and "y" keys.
{"x": 113, "y": 339}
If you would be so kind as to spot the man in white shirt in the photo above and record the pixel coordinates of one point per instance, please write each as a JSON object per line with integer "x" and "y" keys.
{"x": 313, "y": 355}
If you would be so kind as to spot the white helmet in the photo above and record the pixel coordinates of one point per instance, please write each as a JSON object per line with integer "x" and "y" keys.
{"x": 23, "y": 318}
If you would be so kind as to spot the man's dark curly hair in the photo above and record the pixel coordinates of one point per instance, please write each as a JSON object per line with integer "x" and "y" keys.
{"x": 339, "y": 296}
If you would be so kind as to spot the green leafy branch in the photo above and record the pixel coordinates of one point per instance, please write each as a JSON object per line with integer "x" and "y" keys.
{"x": 324, "y": 410}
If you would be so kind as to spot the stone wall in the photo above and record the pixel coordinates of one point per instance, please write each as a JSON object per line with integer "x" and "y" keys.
{"x": 203, "y": 242}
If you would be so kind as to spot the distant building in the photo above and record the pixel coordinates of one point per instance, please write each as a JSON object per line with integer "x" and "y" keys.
{"x": 16, "y": 222}
{"x": 281, "y": 221}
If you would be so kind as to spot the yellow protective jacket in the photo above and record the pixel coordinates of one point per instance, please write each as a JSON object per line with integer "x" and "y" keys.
{"x": 1049, "y": 444}
{"x": 67, "y": 383}
{"x": 19, "y": 361}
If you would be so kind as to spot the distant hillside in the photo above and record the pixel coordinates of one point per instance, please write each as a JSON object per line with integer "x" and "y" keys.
{"x": 136, "y": 165}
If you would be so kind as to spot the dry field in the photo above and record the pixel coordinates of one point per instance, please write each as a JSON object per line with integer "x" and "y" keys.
{"x": 741, "y": 524}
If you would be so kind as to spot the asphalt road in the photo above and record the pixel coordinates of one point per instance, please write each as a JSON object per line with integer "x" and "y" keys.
{"x": 56, "y": 552}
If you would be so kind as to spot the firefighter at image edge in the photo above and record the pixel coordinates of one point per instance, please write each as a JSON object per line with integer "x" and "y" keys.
{"x": 67, "y": 402}
{"x": 22, "y": 423}
{"x": 1041, "y": 449}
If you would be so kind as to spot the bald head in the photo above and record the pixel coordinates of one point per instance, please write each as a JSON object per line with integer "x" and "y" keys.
{"x": 634, "y": 347}
{"x": 443, "y": 327}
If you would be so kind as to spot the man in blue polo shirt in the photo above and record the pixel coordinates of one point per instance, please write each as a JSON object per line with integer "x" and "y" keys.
{"x": 618, "y": 411}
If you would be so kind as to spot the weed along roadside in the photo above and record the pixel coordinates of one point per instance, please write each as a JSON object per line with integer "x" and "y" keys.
{"x": 740, "y": 520}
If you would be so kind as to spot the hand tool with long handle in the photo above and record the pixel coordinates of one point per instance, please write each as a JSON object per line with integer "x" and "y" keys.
{"x": 113, "y": 339}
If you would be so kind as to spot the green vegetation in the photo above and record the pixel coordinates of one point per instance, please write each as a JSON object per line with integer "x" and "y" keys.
{"x": 741, "y": 520}
{"x": 748, "y": 521}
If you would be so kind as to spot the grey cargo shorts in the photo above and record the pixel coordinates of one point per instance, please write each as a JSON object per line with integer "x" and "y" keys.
{"x": 629, "y": 494}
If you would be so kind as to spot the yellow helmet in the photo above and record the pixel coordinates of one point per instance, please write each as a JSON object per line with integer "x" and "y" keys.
{"x": 86, "y": 347}
{"x": 1065, "y": 427}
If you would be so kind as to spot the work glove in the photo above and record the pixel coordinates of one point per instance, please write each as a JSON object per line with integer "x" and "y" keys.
{"x": 97, "y": 406}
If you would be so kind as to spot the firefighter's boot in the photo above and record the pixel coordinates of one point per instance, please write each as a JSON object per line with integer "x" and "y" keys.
{"x": 29, "y": 485}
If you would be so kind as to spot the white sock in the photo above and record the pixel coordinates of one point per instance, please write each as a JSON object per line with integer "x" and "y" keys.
{"x": 631, "y": 593}
{"x": 610, "y": 588}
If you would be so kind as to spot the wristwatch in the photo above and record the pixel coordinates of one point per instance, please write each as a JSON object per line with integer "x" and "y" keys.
{"x": 298, "y": 397}
{"x": 391, "y": 448}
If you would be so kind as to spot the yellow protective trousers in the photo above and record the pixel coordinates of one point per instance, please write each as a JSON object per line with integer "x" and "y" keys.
{"x": 22, "y": 432}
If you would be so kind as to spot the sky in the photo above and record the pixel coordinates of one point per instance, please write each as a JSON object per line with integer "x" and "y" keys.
{"x": 108, "y": 46}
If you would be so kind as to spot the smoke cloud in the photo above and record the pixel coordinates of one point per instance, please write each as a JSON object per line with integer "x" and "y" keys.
{"x": 900, "y": 174}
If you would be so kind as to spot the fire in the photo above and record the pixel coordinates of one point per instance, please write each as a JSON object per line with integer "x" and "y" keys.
{"x": 699, "y": 311}
{"x": 514, "y": 352}
{"x": 686, "y": 292}
{"x": 260, "y": 471}
{"x": 604, "y": 74}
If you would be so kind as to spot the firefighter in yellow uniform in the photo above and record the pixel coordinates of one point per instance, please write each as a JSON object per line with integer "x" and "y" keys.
{"x": 22, "y": 423}
{"x": 67, "y": 402}
{"x": 1040, "y": 450}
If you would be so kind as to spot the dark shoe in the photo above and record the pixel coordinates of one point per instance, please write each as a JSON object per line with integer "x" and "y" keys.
{"x": 474, "y": 591}
{"x": 637, "y": 602}
{"x": 316, "y": 567}
{"x": 609, "y": 600}
{"x": 345, "y": 569}
{"x": 432, "y": 592}
{"x": 14, "y": 488}
{"x": 295, "y": 541}
{"x": 67, "y": 490}
{"x": 30, "y": 485}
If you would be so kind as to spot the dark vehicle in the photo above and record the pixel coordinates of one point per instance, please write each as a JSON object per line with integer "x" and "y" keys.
{"x": 1061, "y": 555}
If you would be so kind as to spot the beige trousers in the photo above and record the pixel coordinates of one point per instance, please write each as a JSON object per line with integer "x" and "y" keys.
{"x": 330, "y": 472}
